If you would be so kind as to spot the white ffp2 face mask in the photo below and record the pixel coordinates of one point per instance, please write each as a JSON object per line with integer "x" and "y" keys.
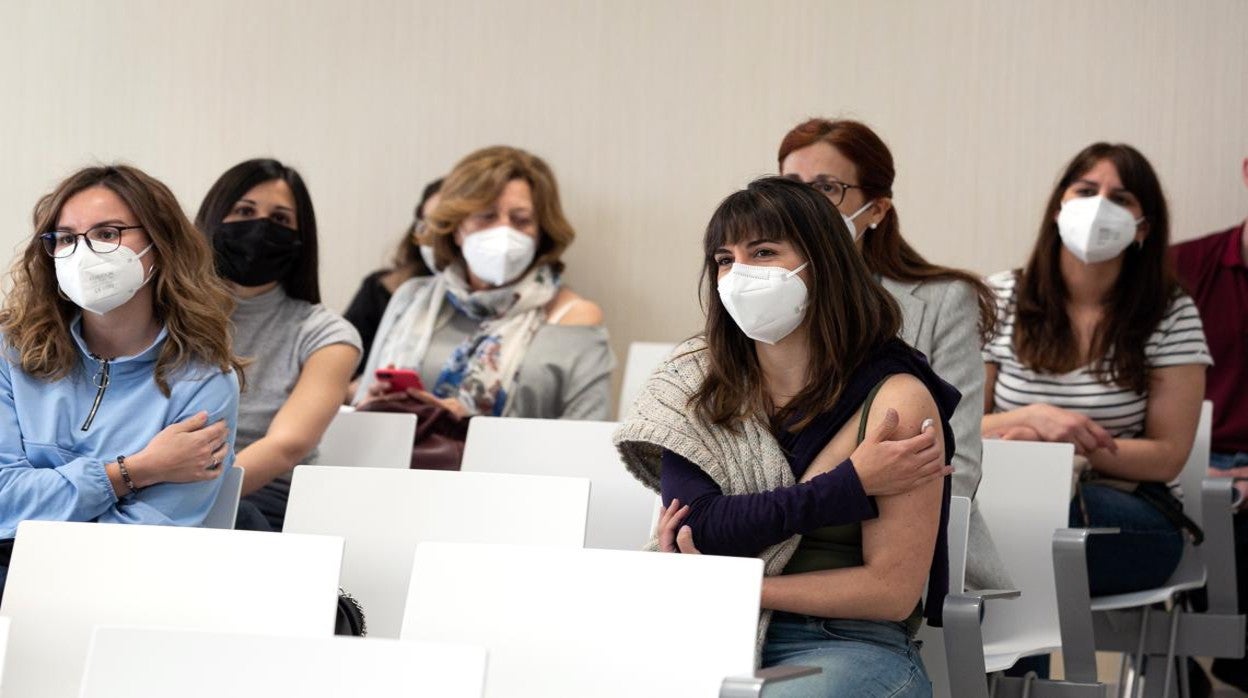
{"x": 102, "y": 282}
{"x": 426, "y": 254}
{"x": 499, "y": 255}
{"x": 767, "y": 303}
{"x": 1096, "y": 229}
{"x": 849, "y": 221}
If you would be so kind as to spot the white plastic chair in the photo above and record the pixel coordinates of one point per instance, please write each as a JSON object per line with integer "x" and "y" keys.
{"x": 66, "y": 578}
{"x": 383, "y": 513}
{"x": 195, "y": 664}
{"x": 619, "y": 505}
{"x": 602, "y": 623}
{"x": 4, "y": 643}
{"x": 368, "y": 439}
{"x": 225, "y": 510}
{"x": 931, "y": 639}
{"x": 643, "y": 358}
{"x": 1024, "y": 497}
{"x": 1120, "y": 622}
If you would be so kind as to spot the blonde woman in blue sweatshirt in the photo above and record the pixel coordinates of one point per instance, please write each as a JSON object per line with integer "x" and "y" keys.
{"x": 118, "y": 388}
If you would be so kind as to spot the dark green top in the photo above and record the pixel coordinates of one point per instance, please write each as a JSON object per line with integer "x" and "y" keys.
{"x": 838, "y": 547}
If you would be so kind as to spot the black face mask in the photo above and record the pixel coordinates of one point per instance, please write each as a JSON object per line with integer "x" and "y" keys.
{"x": 255, "y": 252}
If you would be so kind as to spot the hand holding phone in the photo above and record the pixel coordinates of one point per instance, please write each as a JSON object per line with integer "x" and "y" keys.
{"x": 400, "y": 379}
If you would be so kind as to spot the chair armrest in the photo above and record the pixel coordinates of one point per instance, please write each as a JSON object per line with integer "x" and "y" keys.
{"x": 988, "y": 594}
{"x": 1074, "y": 601}
{"x": 1218, "y": 550}
{"x": 752, "y": 685}
{"x": 964, "y": 640}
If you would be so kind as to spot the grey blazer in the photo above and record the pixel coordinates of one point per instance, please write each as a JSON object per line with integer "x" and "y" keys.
{"x": 941, "y": 319}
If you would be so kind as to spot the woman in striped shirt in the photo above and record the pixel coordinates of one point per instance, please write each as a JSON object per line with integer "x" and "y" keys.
{"x": 1097, "y": 346}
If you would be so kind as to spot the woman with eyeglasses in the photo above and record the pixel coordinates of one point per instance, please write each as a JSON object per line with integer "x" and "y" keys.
{"x": 1098, "y": 346}
{"x": 118, "y": 387}
{"x": 946, "y": 313}
{"x": 259, "y": 219}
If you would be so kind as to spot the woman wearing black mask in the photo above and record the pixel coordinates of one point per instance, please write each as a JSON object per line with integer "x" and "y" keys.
{"x": 259, "y": 219}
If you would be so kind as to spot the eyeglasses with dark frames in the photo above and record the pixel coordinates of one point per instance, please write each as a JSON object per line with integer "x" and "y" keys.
{"x": 102, "y": 240}
{"x": 833, "y": 189}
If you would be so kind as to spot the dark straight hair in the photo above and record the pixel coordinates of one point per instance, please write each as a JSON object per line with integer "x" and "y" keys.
{"x": 849, "y": 315}
{"x": 302, "y": 280}
{"x": 1043, "y": 338}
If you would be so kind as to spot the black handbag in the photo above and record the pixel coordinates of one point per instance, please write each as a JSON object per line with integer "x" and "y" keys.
{"x": 350, "y": 619}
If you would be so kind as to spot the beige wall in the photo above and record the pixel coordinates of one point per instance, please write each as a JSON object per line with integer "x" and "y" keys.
{"x": 650, "y": 112}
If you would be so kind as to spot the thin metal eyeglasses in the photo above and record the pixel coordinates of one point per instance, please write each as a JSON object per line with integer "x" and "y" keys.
{"x": 102, "y": 240}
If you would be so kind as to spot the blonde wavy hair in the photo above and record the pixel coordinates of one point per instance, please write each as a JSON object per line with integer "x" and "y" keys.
{"x": 476, "y": 183}
{"x": 188, "y": 298}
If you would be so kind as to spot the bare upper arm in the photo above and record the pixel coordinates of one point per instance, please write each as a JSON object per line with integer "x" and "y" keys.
{"x": 579, "y": 311}
{"x": 900, "y": 542}
{"x": 316, "y": 396}
{"x": 1174, "y": 397}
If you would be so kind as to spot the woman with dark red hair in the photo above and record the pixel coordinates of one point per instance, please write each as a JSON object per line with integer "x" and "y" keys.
{"x": 946, "y": 313}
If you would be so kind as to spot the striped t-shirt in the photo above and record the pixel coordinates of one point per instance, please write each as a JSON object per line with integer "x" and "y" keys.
{"x": 1178, "y": 340}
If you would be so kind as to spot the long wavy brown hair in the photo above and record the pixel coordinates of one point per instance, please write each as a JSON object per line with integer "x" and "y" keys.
{"x": 476, "y": 183}
{"x": 1044, "y": 340}
{"x": 188, "y": 298}
{"x": 885, "y": 251}
{"x": 848, "y": 317}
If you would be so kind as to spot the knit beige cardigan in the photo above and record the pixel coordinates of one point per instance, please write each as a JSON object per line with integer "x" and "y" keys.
{"x": 745, "y": 462}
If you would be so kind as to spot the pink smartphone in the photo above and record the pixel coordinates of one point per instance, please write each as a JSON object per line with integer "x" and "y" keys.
{"x": 400, "y": 379}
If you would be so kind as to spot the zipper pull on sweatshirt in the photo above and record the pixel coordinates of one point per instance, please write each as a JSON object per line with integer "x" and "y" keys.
{"x": 101, "y": 383}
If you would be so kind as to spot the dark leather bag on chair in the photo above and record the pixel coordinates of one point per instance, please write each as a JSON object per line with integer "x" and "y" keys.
{"x": 440, "y": 434}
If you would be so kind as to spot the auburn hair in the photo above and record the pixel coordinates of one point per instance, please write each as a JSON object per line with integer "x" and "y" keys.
{"x": 849, "y": 315}
{"x": 476, "y": 183}
{"x": 1044, "y": 340}
{"x": 884, "y": 250}
{"x": 188, "y": 298}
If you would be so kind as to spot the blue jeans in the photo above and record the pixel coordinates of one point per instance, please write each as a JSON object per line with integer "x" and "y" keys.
{"x": 859, "y": 658}
{"x": 1142, "y": 556}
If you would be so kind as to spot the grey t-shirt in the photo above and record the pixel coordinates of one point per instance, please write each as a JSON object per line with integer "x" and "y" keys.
{"x": 278, "y": 334}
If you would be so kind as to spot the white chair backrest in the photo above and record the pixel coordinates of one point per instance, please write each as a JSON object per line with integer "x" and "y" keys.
{"x": 603, "y": 623}
{"x": 383, "y": 513}
{"x": 932, "y": 639}
{"x": 195, "y": 664}
{"x": 66, "y": 578}
{"x": 957, "y": 533}
{"x": 1024, "y": 497}
{"x": 225, "y": 509}
{"x": 4, "y": 643}
{"x": 368, "y": 439}
{"x": 643, "y": 358}
{"x": 1197, "y": 466}
{"x": 619, "y": 506}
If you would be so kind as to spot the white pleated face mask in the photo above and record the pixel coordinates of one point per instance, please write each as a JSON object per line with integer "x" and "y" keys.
{"x": 102, "y": 282}
{"x": 767, "y": 303}
{"x": 426, "y": 254}
{"x": 499, "y": 255}
{"x": 1096, "y": 229}
{"x": 849, "y": 221}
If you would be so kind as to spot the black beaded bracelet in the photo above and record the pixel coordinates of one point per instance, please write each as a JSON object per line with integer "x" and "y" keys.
{"x": 125, "y": 475}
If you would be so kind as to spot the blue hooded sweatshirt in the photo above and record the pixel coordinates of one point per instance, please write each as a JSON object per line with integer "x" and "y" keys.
{"x": 52, "y": 468}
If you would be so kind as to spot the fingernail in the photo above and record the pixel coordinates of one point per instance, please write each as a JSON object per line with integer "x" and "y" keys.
{"x": 927, "y": 424}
